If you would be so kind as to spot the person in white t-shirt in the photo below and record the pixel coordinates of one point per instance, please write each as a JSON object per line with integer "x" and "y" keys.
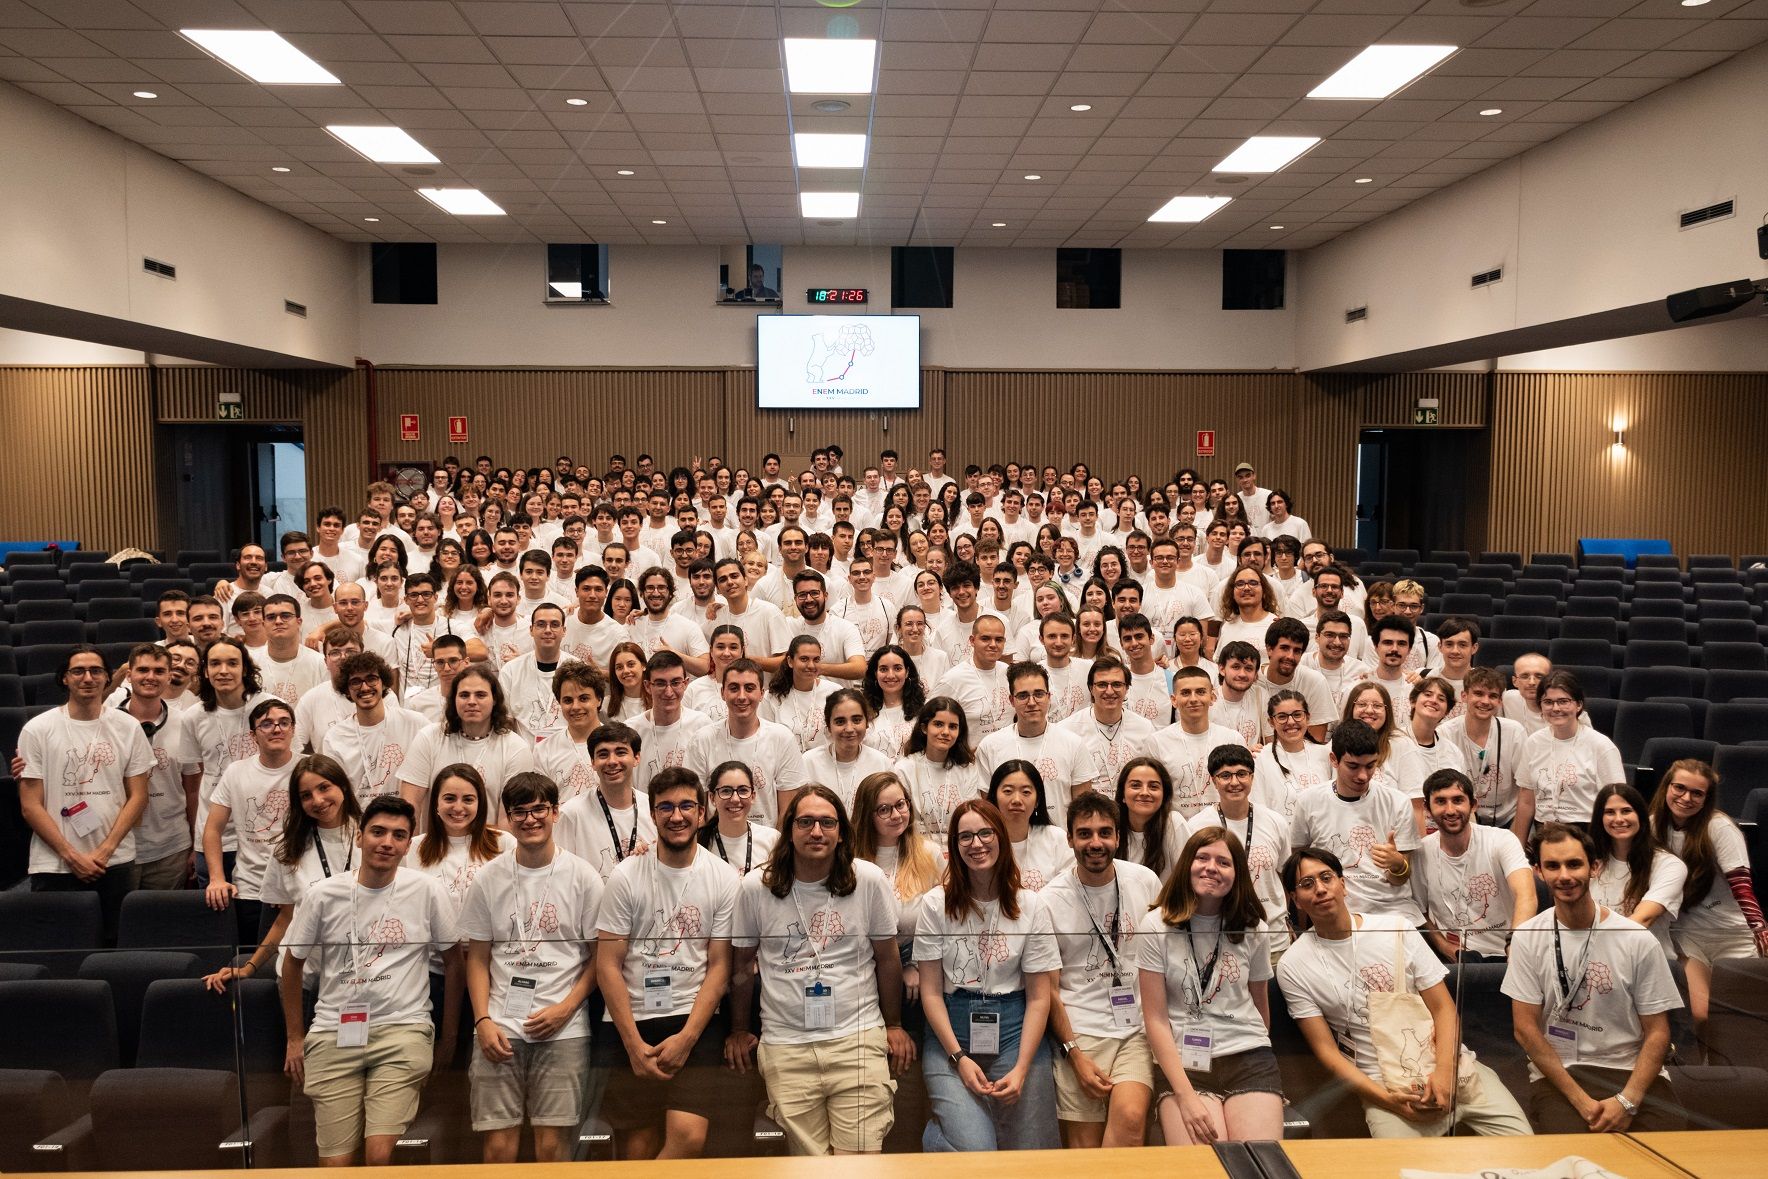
{"x": 1184, "y": 747}
{"x": 1104, "y": 1074}
{"x": 219, "y": 733}
{"x": 563, "y": 756}
{"x": 979, "y": 683}
{"x": 1474, "y": 880}
{"x": 1565, "y": 764}
{"x": 1367, "y": 826}
{"x": 765, "y": 631}
{"x": 796, "y": 692}
{"x": 369, "y": 935}
{"x": 1491, "y": 745}
{"x": 663, "y": 961}
{"x": 769, "y": 750}
{"x": 817, "y": 927}
{"x": 611, "y": 823}
{"x": 251, "y": 798}
{"x": 1721, "y": 919}
{"x": 373, "y": 740}
{"x": 1204, "y": 970}
{"x": 163, "y": 836}
{"x": 1111, "y": 732}
{"x": 83, "y": 788}
{"x": 1633, "y": 874}
{"x": 846, "y": 760}
{"x": 476, "y": 729}
{"x": 530, "y": 925}
{"x": 1327, "y": 977}
{"x": 288, "y": 668}
{"x": 1286, "y": 641}
{"x": 1061, "y": 756}
{"x": 1040, "y": 848}
{"x": 658, "y": 627}
{"x": 1290, "y": 762}
{"x": 1263, "y": 832}
{"x": 1591, "y": 995}
{"x": 1331, "y": 657}
{"x": 743, "y": 844}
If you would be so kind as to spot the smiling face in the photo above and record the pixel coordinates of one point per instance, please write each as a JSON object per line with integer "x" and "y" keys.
{"x": 1212, "y": 870}
{"x": 320, "y": 799}
{"x": 979, "y": 844}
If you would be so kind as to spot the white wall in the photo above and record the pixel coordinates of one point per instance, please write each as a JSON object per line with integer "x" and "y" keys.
{"x": 489, "y": 313}
{"x": 32, "y": 348}
{"x": 1735, "y": 346}
{"x": 83, "y": 206}
{"x": 1583, "y": 224}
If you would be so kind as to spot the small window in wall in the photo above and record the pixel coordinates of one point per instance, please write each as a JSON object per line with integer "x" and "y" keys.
{"x": 577, "y": 273}
{"x": 921, "y": 276}
{"x": 749, "y": 274}
{"x": 1089, "y": 278}
{"x": 404, "y": 272}
{"x": 1252, "y": 280}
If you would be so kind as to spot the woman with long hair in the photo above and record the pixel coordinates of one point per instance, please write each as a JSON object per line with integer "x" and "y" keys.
{"x": 463, "y": 598}
{"x": 912, "y": 629}
{"x": 1205, "y": 970}
{"x": 478, "y": 546}
{"x": 1720, "y": 917}
{"x": 739, "y": 841}
{"x": 1153, "y": 830}
{"x": 1188, "y": 640}
{"x": 1089, "y": 634}
{"x": 626, "y": 683}
{"x": 1040, "y": 848}
{"x": 892, "y": 685}
{"x": 1566, "y": 763}
{"x": 1397, "y": 764}
{"x": 846, "y": 759}
{"x": 726, "y": 645}
{"x": 937, "y": 765}
{"x": 930, "y": 596}
{"x": 448, "y": 559}
{"x": 1110, "y": 566}
{"x": 989, "y": 965}
{"x": 1095, "y": 594}
{"x": 796, "y": 693}
{"x": 1634, "y": 875}
{"x": 623, "y": 601}
{"x": 476, "y": 729}
{"x": 1027, "y": 642}
{"x": 1290, "y": 761}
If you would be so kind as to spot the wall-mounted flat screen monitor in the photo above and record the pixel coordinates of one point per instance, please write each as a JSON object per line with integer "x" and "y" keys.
{"x": 838, "y": 361}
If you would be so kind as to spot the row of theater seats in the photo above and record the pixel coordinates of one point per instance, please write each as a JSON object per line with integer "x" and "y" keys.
{"x": 122, "y": 1059}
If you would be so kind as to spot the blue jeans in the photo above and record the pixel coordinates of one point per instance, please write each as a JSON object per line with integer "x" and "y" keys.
{"x": 963, "y": 1121}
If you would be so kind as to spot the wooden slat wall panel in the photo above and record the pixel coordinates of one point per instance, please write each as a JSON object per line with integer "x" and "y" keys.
{"x": 1294, "y": 432}
{"x": 861, "y": 434}
{"x": 334, "y": 428}
{"x": 531, "y": 416}
{"x": 190, "y": 394}
{"x": 1389, "y": 398}
{"x": 80, "y": 456}
{"x": 1691, "y": 472}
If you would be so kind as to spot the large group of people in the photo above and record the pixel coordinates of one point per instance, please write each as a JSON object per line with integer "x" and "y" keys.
{"x": 986, "y": 805}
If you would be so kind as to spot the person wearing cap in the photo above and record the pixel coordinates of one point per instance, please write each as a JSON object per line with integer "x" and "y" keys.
{"x": 1252, "y": 496}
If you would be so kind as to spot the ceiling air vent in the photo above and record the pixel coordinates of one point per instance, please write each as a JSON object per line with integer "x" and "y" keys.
{"x": 163, "y": 269}
{"x": 294, "y": 308}
{"x": 1487, "y": 277}
{"x": 1356, "y": 314}
{"x": 1718, "y": 212}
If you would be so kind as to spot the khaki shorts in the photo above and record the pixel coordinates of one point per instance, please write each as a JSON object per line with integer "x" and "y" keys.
{"x": 1127, "y": 1060}
{"x": 831, "y": 1095}
{"x": 1712, "y": 945}
{"x": 371, "y": 1090}
{"x": 543, "y": 1082}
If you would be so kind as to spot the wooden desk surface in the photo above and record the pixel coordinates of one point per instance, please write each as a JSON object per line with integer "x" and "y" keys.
{"x": 1192, "y": 1162}
{"x": 1712, "y": 1154}
{"x": 1364, "y": 1158}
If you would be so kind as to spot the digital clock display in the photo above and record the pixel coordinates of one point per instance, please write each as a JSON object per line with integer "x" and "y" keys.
{"x": 836, "y": 295}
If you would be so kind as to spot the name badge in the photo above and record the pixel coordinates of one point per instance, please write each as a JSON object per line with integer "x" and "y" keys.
{"x": 1564, "y": 1039}
{"x": 1196, "y": 1050}
{"x": 353, "y": 1025}
{"x": 658, "y": 996}
{"x": 518, "y": 1001}
{"x": 82, "y": 819}
{"x": 985, "y": 1033}
{"x": 819, "y": 1005}
{"x": 1124, "y": 1013}
{"x": 1347, "y": 1049}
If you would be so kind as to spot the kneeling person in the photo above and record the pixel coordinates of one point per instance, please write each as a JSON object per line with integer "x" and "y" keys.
{"x": 663, "y": 960}
{"x": 530, "y": 919}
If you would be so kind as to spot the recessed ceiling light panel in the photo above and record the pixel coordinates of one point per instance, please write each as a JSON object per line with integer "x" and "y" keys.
{"x": 814, "y": 149}
{"x": 262, "y": 56}
{"x": 1190, "y": 208}
{"x": 824, "y": 65}
{"x": 1267, "y": 153}
{"x": 384, "y": 145}
{"x": 829, "y": 204}
{"x": 1380, "y": 70}
{"x": 462, "y": 202}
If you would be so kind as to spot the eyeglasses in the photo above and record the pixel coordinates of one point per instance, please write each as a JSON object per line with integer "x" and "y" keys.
{"x": 667, "y": 809}
{"x": 1110, "y": 686}
{"x": 420, "y": 595}
{"x": 669, "y": 685}
{"x": 99, "y": 672}
{"x": 1307, "y": 883}
{"x": 526, "y": 814}
{"x": 364, "y": 681}
{"x": 280, "y": 616}
{"x": 728, "y": 792}
{"x": 273, "y": 726}
{"x": 984, "y": 835}
{"x": 811, "y": 822}
{"x": 1292, "y": 715}
{"x": 1028, "y": 697}
{"x": 885, "y": 809}
{"x": 1232, "y": 774}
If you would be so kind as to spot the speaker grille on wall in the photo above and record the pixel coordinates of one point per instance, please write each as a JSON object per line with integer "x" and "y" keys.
{"x": 1252, "y": 280}
{"x": 404, "y": 272}
{"x": 294, "y": 308}
{"x": 1718, "y": 212}
{"x": 1356, "y": 314}
{"x": 163, "y": 269}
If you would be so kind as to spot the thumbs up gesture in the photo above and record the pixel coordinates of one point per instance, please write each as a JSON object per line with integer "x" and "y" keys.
{"x": 1387, "y": 855}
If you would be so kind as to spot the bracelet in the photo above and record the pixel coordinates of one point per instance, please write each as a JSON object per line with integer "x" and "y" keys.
{"x": 480, "y": 1020}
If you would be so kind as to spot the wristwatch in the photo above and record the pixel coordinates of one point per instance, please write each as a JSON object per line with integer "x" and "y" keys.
{"x": 1068, "y": 1046}
{"x": 1621, "y": 1100}
{"x": 956, "y": 1057}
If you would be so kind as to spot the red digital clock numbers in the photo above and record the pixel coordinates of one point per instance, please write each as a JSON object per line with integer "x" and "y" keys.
{"x": 836, "y": 295}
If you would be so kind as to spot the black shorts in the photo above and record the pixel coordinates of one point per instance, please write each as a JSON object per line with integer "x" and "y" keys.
{"x": 1251, "y": 1071}
{"x": 699, "y": 1088}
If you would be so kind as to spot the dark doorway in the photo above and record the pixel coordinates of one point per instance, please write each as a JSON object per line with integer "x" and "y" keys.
{"x": 1422, "y": 489}
{"x": 223, "y": 485}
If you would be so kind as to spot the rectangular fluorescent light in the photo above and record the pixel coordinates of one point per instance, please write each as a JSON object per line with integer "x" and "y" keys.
{"x": 824, "y": 65}
{"x": 1380, "y": 70}
{"x": 829, "y": 204}
{"x": 262, "y": 56}
{"x": 818, "y": 150}
{"x": 1189, "y": 208}
{"x": 462, "y": 202}
{"x": 385, "y": 145}
{"x": 1267, "y": 153}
